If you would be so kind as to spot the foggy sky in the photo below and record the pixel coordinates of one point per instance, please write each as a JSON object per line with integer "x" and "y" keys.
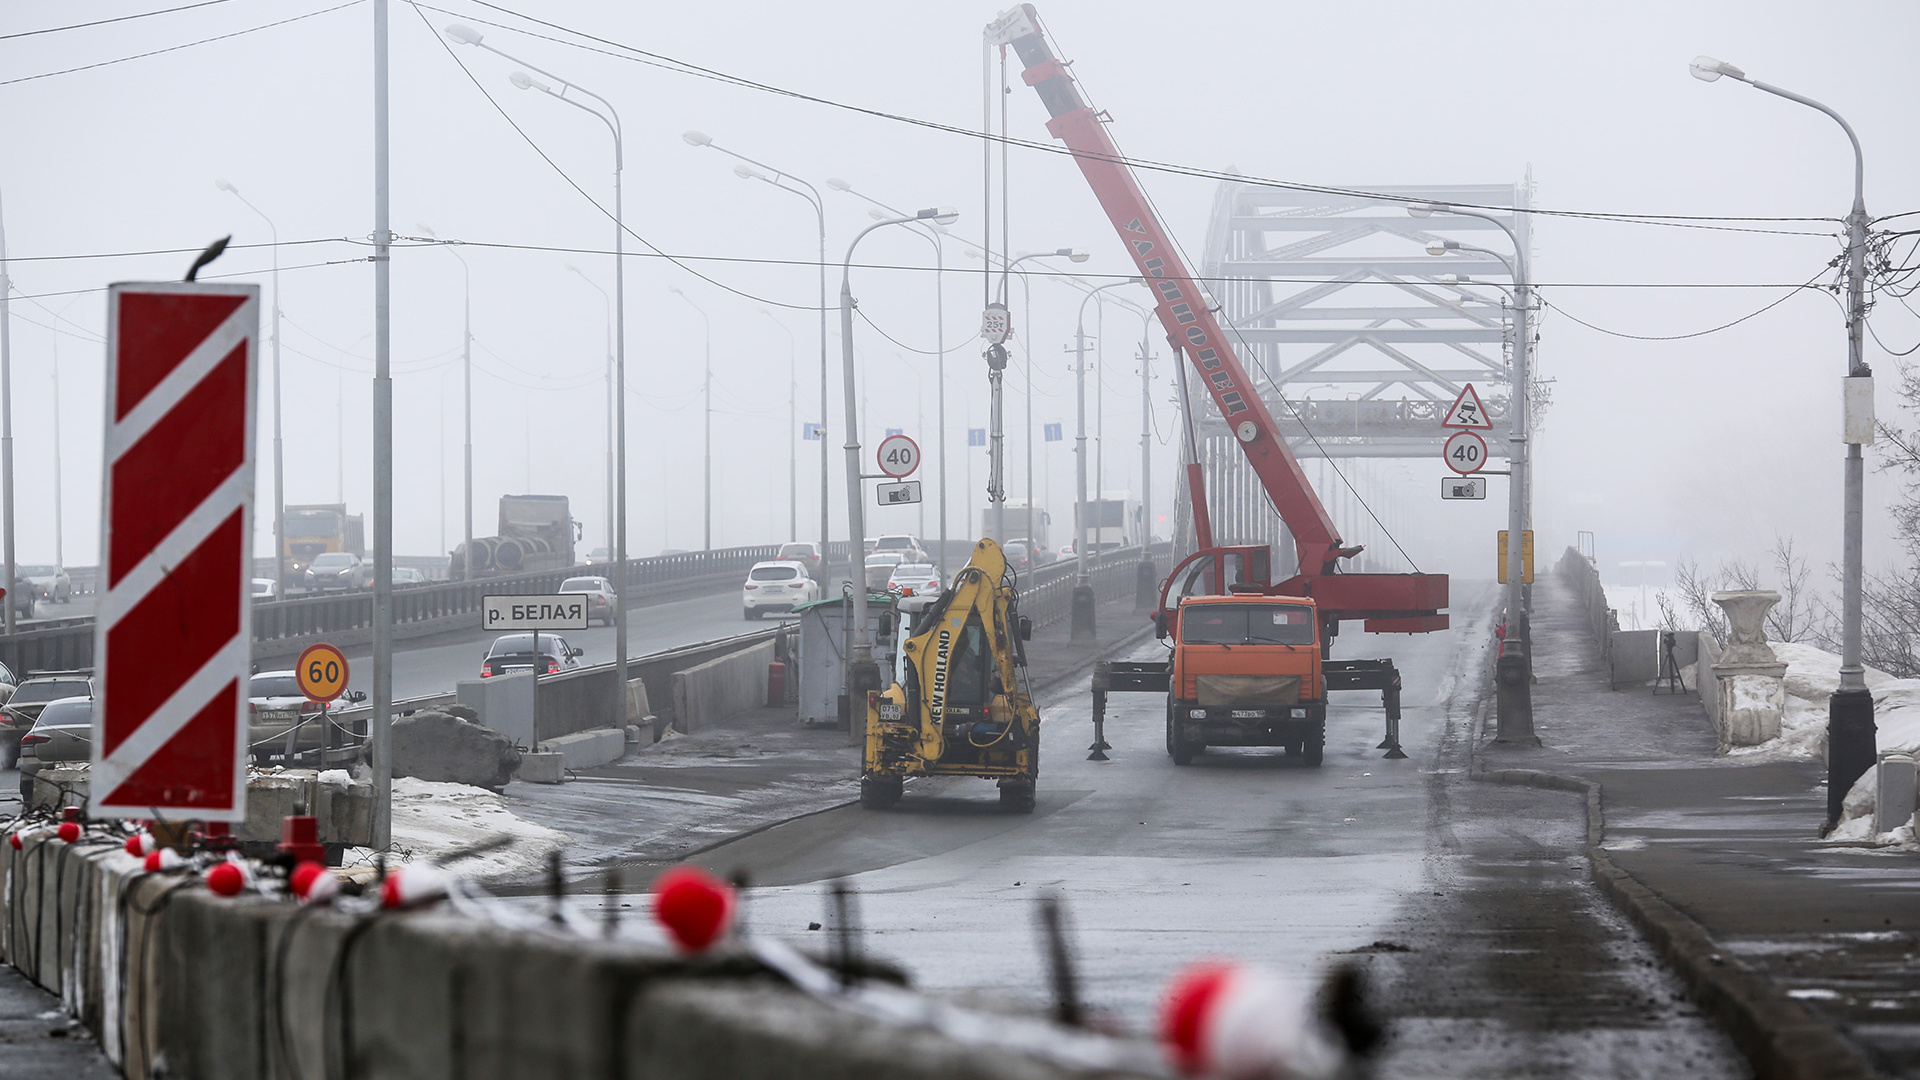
{"x": 1698, "y": 448}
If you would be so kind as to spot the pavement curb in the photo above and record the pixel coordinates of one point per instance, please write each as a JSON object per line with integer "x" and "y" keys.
{"x": 1779, "y": 1037}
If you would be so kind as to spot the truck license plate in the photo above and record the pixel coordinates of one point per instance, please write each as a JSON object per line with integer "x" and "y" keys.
{"x": 1248, "y": 714}
{"x": 889, "y": 711}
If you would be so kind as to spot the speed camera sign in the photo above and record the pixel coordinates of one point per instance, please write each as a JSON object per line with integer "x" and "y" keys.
{"x": 899, "y": 456}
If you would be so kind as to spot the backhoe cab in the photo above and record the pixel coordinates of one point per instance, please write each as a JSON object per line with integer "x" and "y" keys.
{"x": 962, "y": 706}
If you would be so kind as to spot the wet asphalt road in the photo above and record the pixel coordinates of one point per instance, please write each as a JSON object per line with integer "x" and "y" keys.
{"x": 1467, "y": 906}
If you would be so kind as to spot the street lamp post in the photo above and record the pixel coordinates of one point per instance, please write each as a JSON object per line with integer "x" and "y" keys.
{"x": 1850, "y": 725}
{"x": 706, "y": 391}
{"x": 466, "y": 397}
{"x": 774, "y": 176}
{"x": 466, "y": 36}
{"x": 937, "y": 238}
{"x": 1513, "y": 671}
{"x": 862, "y": 674}
{"x": 1083, "y": 603}
{"x": 1026, "y": 351}
{"x": 610, "y": 481}
{"x": 279, "y": 473}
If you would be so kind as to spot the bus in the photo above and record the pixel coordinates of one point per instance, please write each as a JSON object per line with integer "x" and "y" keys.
{"x": 1114, "y": 520}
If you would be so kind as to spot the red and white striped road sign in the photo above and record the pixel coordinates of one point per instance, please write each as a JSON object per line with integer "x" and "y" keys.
{"x": 173, "y": 636}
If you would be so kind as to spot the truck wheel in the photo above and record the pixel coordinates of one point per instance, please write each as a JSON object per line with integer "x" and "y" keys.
{"x": 1018, "y": 798}
{"x": 1315, "y": 750}
{"x": 880, "y": 792}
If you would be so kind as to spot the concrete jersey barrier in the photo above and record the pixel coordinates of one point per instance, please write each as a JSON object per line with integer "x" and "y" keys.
{"x": 177, "y": 982}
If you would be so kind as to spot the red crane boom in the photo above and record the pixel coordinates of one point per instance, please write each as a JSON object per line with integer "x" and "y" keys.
{"x": 1391, "y": 603}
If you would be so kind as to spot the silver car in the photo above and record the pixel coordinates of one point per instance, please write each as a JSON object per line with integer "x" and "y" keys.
{"x": 64, "y": 732}
{"x": 600, "y": 597}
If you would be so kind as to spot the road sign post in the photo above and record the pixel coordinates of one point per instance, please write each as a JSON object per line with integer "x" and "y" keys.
{"x": 561, "y": 611}
{"x": 173, "y": 635}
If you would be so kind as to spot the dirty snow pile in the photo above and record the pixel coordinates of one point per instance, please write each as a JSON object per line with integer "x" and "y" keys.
{"x": 430, "y": 820}
{"x": 1812, "y": 677}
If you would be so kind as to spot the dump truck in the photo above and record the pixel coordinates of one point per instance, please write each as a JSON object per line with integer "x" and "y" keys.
{"x": 962, "y": 705}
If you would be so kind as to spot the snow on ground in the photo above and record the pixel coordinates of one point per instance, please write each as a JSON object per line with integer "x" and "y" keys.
{"x": 1812, "y": 677}
{"x": 431, "y": 820}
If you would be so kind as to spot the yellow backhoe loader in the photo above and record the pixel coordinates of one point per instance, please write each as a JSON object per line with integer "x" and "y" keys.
{"x": 962, "y": 707}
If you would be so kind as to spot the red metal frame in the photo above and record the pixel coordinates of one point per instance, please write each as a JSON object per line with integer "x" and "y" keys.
{"x": 1392, "y": 602}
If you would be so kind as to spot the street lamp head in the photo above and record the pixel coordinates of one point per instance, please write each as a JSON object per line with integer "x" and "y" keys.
{"x": 1441, "y": 247}
{"x": 879, "y": 215}
{"x": 838, "y": 184}
{"x": 427, "y": 230}
{"x": 945, "y": 215}
{"x": 1075, "y": 256}
{"x": 1454, "y": 279}
{"x": 226, "y": 187}
{"x": 524, "y": 81}
{"x": 748, "y": 172}
{"x": 573, "y": 268}
{"x": 675, "y": 290}
{"x": 1707, "y": 69}
{"x": 697, "y": 138}
{"x": 462, "y": 35}
{"x": 1424, "y": 210}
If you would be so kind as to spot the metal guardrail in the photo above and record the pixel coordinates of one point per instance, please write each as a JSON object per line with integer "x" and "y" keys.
{"x": 69, "y": 644}
{"x": 1048, "y": 597}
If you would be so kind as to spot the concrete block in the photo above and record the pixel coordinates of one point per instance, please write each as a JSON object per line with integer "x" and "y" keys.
{"x": 503, "y": 702}
{"x": 542, "y": 768}
{"x": 638, "y": 707}
{"x": 719, "y": 689}
{"x": 1894, "y": 792}
{"x": 588, "y": 749}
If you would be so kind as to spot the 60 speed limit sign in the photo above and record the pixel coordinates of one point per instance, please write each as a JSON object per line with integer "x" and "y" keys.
{"x": 1466, "y": 452}
{"x": 899, "y": 456}
{"x": 321, "y": 672}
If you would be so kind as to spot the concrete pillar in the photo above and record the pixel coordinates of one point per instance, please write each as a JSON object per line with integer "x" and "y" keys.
{"x": 1751, "y": 678}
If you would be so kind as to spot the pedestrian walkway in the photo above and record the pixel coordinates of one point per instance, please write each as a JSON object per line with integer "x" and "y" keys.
{"x": 1815, "y": 933}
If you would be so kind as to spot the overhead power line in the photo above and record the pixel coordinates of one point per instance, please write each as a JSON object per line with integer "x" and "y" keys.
{"x": 634, "y": 54}
{"x": 105, "y": 22}
{"x": 177, "y": 48}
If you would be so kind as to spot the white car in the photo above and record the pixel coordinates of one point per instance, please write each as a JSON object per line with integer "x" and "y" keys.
{"x": 600, "y": 597}
{"x": 908, "y": 547}
{"x": 777, "y": 586}
{"x": 49, "y": 582}
{"x": 915, "y": 579}
{"x": 407, "y": 575}
{"x": 265, "y": 588}
{"x": 880, "y": 566}
{"x": 275, "y": 703}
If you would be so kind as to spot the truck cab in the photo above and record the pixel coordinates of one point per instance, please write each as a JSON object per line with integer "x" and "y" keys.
{"x": 1246, "y": 671}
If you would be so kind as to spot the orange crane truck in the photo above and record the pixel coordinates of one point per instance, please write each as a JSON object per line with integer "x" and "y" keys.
{"x": 1247, "y": 677}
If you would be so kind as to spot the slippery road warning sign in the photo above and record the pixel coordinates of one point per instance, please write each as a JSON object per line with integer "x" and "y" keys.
{"x": 1468, "y": 412}
{"x": 172, "y": 631}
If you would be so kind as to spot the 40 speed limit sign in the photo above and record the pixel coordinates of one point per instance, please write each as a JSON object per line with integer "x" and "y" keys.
{"x": 899, "y": 456}
{"x": 1466, "y": 452}
{"x": 322, "y": 672}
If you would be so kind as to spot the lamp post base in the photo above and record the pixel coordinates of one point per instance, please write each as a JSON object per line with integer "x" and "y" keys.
{"x": 1083, "y": 628}
{"x": 1513, "y": 701}
{"x": 1146, "y": 586}
{"x": 1850, "y": 747}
